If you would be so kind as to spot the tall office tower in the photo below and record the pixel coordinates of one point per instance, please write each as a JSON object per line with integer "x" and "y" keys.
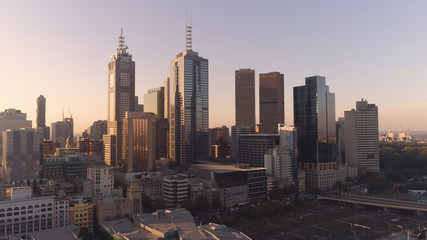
{"x": 361, "y": 139}
{"x": 189, "y": 106}
{"x": 43, "y": 130}
{"x": 271, "y": 101}
{"x": 314, "y": 118}
{"x": 219, "y": 138}
{"x": 236, "y": 131}
{"x": 97, "y": 130}
{"x": 154, "y": 101}
{"x": 166, "y": 97}
{"x": 139, "y": 141}
{"x": 252, "y": 147}
{"x": 13, "y": 119}
{"x": 341, "y": 141}
{"x": 41, "y": 111}
{"x": 245, "y": 97}
{"x": 21, "y": 155}
{"x": 162, "y": 138}
{"x": 121, "y": 98}
{"x": 62, "y": 131}
{"x": 138, "y": 107}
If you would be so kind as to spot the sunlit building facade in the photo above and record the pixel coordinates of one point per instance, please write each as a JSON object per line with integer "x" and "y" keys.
{"x": 189, "y": 107}
{"x": 245, "y": 97}
{"x": 154, "y": 101}
{"x": 121, "y": 98}
{"x": 361, "y": 139}
{"x": 271, "y": 101}
{"x": 139, "y": 141}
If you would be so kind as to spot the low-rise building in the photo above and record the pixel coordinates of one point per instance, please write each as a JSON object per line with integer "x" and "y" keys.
{"x": 102, "y": 179}
{"x": 70, "y": 232}
{"x": 81, "y": 213}
{"x": 175, "y": 190}
{"x": 113, "y": 207}
{"x": 236, "y": 184}
{"x": 23, "y": 216}
{"x": 325, "y": 179}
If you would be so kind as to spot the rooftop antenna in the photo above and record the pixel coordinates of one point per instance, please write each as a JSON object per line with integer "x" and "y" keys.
{"x": 189, "y": 34}
{"x": 63, "y": 106}
{"x": 122, "y": 47}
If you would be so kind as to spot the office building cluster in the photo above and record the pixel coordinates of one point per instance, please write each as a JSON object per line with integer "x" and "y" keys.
{"x": 164, "y": 151}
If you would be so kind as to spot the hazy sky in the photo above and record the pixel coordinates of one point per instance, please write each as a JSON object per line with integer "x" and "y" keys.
{"x": 376, "y": 50}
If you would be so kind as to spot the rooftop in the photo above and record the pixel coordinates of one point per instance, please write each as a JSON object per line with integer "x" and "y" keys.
{"x": 69, "y": 232}
{"x": 218, "y": 168}
{"x": 223, "y": 232}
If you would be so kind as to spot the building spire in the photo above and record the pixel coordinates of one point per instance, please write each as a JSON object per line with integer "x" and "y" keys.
{"x": 122, "y": 47}
{"x": 189, "y": 34}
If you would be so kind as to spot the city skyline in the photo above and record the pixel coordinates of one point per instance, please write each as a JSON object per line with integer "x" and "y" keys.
{"x": 356, "y": 49}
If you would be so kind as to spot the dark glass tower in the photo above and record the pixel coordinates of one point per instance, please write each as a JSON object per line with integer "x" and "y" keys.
{"x": 245, "y": 97}
{"x": 314, "y": 118}
{"x": 189, "y": 106}
{"x": 121, "y": 98}
{"x": 271, "y": 101}
{"x": 41, "y": 111}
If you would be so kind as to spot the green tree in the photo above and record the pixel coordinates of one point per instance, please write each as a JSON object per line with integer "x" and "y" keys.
{"x": 201, "y": 205}
{"x": 146, "y": 204}
{"x": 188, "y": 204}
{"x": 159, "y": 203}
{"x": 340, "y": 186}
{"x": 216, "y": 204}
{"x": 84, "y": 234}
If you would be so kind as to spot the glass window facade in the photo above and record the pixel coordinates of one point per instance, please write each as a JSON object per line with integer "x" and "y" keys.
{"x": 314, "y": 118}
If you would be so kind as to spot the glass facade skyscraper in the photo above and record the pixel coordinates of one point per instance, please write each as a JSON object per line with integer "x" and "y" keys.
{"x": 314, "y": 118}
{"x": 121, "y": 98}
{"x": 189, "y": 107}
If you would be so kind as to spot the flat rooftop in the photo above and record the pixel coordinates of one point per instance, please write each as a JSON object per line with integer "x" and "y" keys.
{"x": 69, "y": 232}
{"x": 218, "y": 168}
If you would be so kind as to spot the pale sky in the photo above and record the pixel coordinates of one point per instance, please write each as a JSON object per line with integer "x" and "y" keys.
{"x": 376, "y": 50}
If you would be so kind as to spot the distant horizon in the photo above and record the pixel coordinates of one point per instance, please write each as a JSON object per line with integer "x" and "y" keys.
{"x": 369, "y": 50}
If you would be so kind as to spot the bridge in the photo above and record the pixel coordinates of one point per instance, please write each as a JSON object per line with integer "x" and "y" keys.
{"x": 377, "y": 202}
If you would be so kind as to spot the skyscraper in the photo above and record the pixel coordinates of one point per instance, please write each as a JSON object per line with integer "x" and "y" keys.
{"x": 236, "y": 131}
{"x": 41, "y": 111}
{"x": 154, "y": 101}
{"x": 166, "y": 97}
{"x": 139, "y": 141}
{"x": 62, "y": 131}
{"x": 189, "y": 106}
{"x": 271, "y": 101}
{"x": 361, "y": 139}
{"x": 21, "y": 155}
{"x": 245, "y": 97}
{"x": 121, "y": 98}
{"x": 43, "y": 130}
{"x": 314, "y": 118}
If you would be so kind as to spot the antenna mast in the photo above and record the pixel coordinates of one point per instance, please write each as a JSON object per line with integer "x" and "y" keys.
{"x": 122, "y": 47}
{"x": 189, "y": 35}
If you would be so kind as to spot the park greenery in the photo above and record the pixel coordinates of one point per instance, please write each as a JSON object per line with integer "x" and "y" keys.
{"x": 403, "y": 162}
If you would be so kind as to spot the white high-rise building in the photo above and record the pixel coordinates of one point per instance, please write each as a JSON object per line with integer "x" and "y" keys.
{"x": 361, "y": 139}
{"x": 280, "y": 161}
{"x": 102, "y": 180}
{"x": 189, "y": 106}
